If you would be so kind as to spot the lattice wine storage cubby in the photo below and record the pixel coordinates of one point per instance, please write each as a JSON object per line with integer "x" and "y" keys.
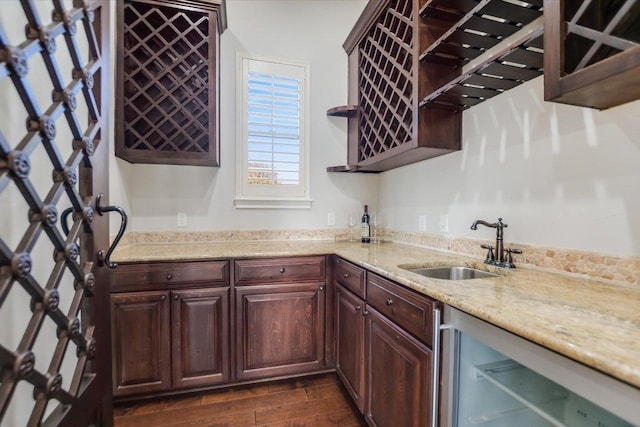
{"x": 387, "y": 129}
{"x": 168, "y": 81}
{"x": 592, "y": 52}
{"x": 415, "y": 65}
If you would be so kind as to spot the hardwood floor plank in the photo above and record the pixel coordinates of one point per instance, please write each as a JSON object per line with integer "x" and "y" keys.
{"x": 156, "y": 406}
{"x": 302, "y": 383}
{"x": 242, "y": 419}
{"x": 310, "y": 402}
{"x": 235, "y": 393}
{"x": 212, "y": 410}
{"x": 323, "y": 391}
{"x": 297, "y": 410}
{"x": 333, "y": 419}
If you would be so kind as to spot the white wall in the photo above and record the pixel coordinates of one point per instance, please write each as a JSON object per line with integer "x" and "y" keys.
{"x": 303, "y": 31}
{"x": 560, "y": 176}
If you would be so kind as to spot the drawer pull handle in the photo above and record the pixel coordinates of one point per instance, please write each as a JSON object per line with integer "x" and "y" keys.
{"x": 282, "y": 270}
{"x": 169, "y": 276}
{"x": 389, "y": 301}
{"x": 346, "y": 275}
{"x": 357, "y": 307}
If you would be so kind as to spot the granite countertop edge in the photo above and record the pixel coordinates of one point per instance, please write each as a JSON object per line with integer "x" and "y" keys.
{"x": 593, "y": 322}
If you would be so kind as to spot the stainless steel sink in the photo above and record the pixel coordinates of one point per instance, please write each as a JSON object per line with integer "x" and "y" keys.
{"x": 452, "y": 273}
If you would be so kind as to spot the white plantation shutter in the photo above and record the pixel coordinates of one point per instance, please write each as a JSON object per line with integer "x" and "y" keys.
{"x": 273, "y": 141}
{"x": 273, "y": 124}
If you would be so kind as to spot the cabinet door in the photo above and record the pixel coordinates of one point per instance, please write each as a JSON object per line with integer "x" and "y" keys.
{"x": 350, "y": 343}
{"x": 398, "y": 371}
{"x": 140, "y": 336}
{"x": 200, "y": 346}
{"x": 167, "y": 89}
{"x": 280, "y": 329}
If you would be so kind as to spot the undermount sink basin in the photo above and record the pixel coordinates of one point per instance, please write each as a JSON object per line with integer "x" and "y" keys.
{"x": 452, "y": 273}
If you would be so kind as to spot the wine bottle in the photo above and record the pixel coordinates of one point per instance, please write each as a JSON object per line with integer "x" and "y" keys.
{"x": 365, "y": 227}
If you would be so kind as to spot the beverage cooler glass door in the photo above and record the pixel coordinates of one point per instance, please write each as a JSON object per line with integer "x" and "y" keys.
{"x": 494, "y": 378}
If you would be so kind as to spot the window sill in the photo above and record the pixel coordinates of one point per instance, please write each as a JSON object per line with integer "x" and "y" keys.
{"x": 263, "y": 203}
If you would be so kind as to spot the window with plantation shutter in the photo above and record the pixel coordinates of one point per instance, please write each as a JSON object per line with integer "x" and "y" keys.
{"x": 273, "y": 134}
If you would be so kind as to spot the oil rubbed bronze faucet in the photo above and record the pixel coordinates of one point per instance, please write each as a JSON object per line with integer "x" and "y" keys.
{"x": 502, "y": 257}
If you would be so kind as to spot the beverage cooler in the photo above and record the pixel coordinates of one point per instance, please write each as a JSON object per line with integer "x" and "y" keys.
{"x": 493, "y": 378}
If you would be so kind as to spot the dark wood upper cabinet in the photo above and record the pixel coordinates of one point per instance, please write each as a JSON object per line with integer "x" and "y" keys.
{"x": 592, "y": 52}
{"x": 168, "y": 81}
{"x": 387, "y": 128}
{"x": 415, "y": 65}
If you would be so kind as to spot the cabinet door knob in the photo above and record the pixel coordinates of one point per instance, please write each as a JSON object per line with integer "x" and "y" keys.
{"x": 322, "y": 288}
{"x": 365, "y": 313}
{"x": 282, "y": 270}
{"x": 357, "y": 307}
{"x": 389, "y": 301}
{"x": 176, "y": 297}
{"x": 163, "y": 297}
{"x": 345, "y": 275}
{"x": 169, "y": 276}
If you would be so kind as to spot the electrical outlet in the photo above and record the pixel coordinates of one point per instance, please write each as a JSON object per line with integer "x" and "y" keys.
{"x": 182, "y": 219}
{"x": 444, "y": 223}
{"x": 331, "y": 218}
{"x": 422, "y": 223}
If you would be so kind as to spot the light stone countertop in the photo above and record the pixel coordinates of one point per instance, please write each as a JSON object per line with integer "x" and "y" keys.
{"x": 596, "y": 323}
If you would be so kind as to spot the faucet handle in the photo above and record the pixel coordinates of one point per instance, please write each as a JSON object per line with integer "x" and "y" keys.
{"x": 508, "y": 262}
{"x": 491, "y": 258}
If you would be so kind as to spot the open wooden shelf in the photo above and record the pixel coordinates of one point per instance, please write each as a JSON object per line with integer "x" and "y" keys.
{"x": 343, "y": 111}
{"x": 350, "y": 169}
{"x": 484, "y": 47}
{"x": 516, "y": 60}
{"x": 473, "y": 27}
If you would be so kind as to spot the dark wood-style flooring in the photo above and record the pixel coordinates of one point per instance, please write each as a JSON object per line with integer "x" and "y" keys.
{"x": 319, "y": 401}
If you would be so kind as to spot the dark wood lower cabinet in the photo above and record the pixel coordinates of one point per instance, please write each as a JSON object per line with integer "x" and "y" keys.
{"x": 141, "y": 340}
{"x": 170, "y": 339}
{"x": 398, "y": 376}
{"x": 271, "y": 321}
{"x": 279, "y": 329}
{"x": 350, "y": 343}
{"x": 200, "y": 335}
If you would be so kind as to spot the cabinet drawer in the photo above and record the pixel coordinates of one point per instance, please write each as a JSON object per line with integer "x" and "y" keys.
{"x": 276, "y": 270}
{"x": 410, "y": 311}
{"x": 144, "y": 276}
{"x": 351, "y": 277}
